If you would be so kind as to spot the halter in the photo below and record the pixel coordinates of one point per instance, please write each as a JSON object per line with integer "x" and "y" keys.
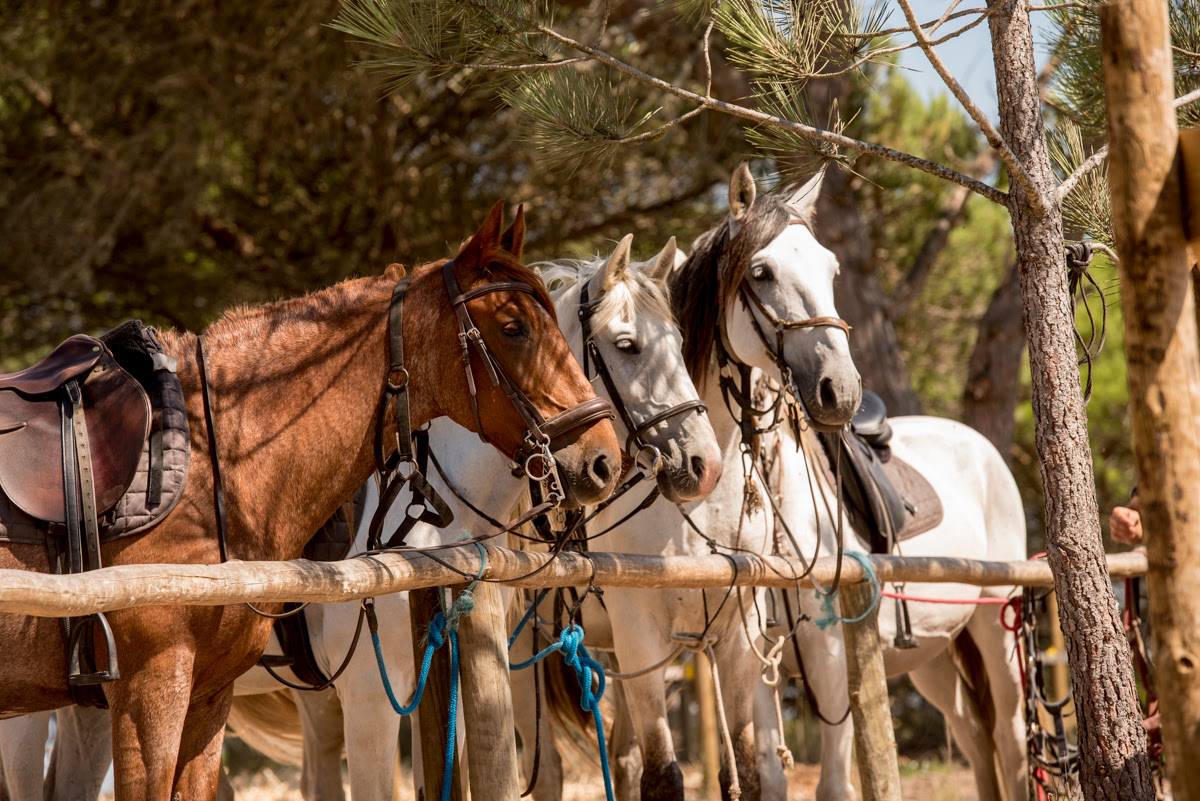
{"x": 534, "y": 456}
{"x": 646, "y": 457}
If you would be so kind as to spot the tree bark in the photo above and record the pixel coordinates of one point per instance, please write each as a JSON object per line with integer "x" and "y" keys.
{"x": 1111, "y": 739}
{"x": 1164, "y": 359}
{"x": 993, "y": 375}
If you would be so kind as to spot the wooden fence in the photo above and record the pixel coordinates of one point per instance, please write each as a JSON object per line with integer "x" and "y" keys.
{"x": 492, "y": 760}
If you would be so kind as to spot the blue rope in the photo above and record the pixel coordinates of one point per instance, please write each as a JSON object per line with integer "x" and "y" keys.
{"x": 570, "y": 645}
{"x": 528, "y": 616}
{"x": 829, "y": 615}
{"x": 443, "y": 627}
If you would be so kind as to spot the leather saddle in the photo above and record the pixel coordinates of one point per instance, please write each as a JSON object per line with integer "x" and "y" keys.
{"x": 72, "y": 429}
{"x": 117, "y": 414}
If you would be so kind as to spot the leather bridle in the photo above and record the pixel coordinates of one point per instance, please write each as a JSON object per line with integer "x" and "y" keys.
{"x": 535, "y": 455}
{"x": 645, "y": 456}
{"x": 775, "y": 350}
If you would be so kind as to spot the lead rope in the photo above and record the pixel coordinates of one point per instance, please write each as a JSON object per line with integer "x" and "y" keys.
{"x": 442, "y": 629}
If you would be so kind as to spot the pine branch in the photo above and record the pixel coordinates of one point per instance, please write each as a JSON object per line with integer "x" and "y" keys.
{"x": 1015, "y": 169}
{"x": 733, "y": 109}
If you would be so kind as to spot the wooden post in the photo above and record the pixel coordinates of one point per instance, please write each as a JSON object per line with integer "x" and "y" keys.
{"x": 874, "y": 739}
{"x": 710, "y": 746}
{"x": 1164, "y": 358}
{"x": 423, "y": 605}
{"x": 486, "y": 700}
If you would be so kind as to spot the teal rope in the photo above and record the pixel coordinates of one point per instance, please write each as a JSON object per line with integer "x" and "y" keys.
{"x": 570, "y": 645}
{"x": 443, "y": 628}
{"x": 830, "y": 616}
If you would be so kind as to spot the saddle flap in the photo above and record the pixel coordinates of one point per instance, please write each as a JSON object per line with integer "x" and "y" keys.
{"x": 117, "y": 415}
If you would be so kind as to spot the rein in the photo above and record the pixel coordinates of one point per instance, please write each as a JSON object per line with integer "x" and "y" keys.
{"x": 534, "y": 457}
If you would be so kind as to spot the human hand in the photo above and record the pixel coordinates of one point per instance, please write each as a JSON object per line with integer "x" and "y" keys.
{"x": 1125, "y": 525}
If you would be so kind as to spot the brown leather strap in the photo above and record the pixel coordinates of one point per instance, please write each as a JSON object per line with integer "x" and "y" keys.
{"x": 218, "y": 484}
{"x": 87, "y": 483}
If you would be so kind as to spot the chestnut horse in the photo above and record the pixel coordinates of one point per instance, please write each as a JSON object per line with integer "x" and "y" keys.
{"x": 297, "y": 387}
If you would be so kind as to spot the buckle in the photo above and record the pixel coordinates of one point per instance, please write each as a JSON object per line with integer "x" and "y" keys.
{"x": 648, "y": 461}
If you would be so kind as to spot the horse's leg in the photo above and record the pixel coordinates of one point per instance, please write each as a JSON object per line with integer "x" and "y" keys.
{"x": 81, "y": 756}
{"x": 740, "y": 673}
{"x": 625, "y": 756}
{"x": 321, "y": 769}
{"x": 824, "y": 654}
{"x": 148, "y": 709}
{"x": 371, "y": 727}
{"x": 662, "y": 779}
{"x": 528, "y": 722}
{"x": 23, "y": 753}
{"x": 768, "y": 737}
{"x": 199, "y": 768}
{"x": 939, "y": 681}
{"x": 995, "y": 646}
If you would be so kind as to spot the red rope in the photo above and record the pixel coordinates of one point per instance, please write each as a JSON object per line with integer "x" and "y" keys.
{"x": 977, "y": 601}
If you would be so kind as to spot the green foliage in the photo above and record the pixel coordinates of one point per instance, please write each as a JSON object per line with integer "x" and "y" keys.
{"x": 938, "y": 333}
{"x": 577, "y": 116}
{"x": 1088, "y": 207}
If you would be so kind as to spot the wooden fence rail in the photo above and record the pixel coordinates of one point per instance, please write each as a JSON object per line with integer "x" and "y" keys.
{"x": 128, "y": 586}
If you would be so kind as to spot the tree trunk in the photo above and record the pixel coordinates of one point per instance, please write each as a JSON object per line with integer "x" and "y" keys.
{"x": 1164, "y": 362}
{"x": 1111, "y": 739}
{"x": 994, "y": 373}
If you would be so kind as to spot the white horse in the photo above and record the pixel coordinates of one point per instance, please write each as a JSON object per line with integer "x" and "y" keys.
{"x": 633, "y": 333}
{"x": 965, "y": 662}
{"x": 764, "y": 252}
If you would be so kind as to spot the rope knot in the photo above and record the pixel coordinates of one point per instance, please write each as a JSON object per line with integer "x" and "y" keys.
{"x": 437, "y": 628}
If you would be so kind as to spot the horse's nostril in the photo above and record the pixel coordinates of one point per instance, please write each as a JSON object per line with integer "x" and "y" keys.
{"x": 698, "y": 468}
{"x": 601, "y": 469}
{"x": 827, "y": 394}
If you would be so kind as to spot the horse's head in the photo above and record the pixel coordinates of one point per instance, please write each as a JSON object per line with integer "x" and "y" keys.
{"x": 617, "y": 313}
{"x": 771, "y": 283}
{"x": 523, "y": 376}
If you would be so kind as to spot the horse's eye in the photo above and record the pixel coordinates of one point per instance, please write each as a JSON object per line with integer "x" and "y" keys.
{"x": 760, "y": 273}
{"x": 628, "y": 346}
{"x": 513, "y": 330}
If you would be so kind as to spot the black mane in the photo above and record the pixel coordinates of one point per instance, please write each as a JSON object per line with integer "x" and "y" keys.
{"x": 707, "y": 282}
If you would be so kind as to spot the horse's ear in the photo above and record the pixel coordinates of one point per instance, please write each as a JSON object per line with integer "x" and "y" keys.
{"x": 471, "y": 254}
{"x": 742, "y": 192}
{"x": 618, "y": 263}
{"x": 513, "y": 238}
{"x": 803, "y": 200}
{"x": 663, "y": 262}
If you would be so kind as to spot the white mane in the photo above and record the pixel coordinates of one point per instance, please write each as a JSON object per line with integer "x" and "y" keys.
{"x": 633, "y": 297}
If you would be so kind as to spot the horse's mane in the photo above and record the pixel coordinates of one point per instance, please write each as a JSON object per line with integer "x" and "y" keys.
{"x": 707, "y": 282}
{"x": 635, "y": 296}
{"x": 344, "y": 298}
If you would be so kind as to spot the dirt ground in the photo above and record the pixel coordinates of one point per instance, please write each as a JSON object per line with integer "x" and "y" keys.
{"x": 919, "y": 782}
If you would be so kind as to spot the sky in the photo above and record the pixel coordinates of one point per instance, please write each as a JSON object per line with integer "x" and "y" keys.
{"x": 969, "y": 57}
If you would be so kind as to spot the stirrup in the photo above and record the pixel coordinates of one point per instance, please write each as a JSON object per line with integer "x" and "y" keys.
{"x": 904, "y": 638}
{"x": 75, "y": 676}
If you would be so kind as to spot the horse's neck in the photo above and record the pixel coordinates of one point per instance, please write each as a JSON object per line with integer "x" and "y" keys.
{"x": 476, "y": 470}
{"x": 294, "y": 404}
{"x": 724, "y": 424}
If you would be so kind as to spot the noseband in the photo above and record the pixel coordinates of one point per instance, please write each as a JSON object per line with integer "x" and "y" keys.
{"x": 647, "y": 458}
{"x": 535, "y": 455}
{"x": 775, "y": 351}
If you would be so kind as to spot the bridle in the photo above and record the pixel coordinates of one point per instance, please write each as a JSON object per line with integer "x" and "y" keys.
{"x": 646, "y": 457}
{"x": 535, "y": 455}
{"x": 775, "y": 350}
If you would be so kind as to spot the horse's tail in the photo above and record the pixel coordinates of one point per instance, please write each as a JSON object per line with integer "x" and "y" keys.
{"x": 270, "y": 724}
{"x": 968, "y": 661}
